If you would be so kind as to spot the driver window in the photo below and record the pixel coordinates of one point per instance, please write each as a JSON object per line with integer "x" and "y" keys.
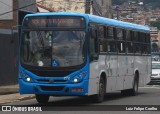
{"x": 93, "y": 43}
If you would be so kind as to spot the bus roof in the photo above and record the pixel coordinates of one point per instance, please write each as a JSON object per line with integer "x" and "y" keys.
{"x": 98, "y": 19}
{"x": 116, "y": 23}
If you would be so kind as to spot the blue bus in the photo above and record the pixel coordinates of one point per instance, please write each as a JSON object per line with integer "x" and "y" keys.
{"x": 73, "y": 54}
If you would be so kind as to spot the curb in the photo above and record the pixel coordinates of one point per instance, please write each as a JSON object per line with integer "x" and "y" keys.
{"x": 19, "y": 99}
{"x": 11, "y": 89}
{"x": 27, "y": 97}
{"x": 10, "y": 94}
{"x": 6, "y": 92}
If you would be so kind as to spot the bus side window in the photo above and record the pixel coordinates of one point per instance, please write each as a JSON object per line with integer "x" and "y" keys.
{"x": 110, "y": 33}
{"x": 129, "y": 41}
{"x": 93, "y": 44}
{"x": 121, "y": 44}
{"x": 112, "y": 45}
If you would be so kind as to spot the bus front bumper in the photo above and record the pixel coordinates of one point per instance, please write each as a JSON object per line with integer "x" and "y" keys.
{"x": 75, "y": 89}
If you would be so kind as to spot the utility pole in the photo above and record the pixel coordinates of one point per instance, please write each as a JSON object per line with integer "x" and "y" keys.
{"x": 117, "y": 10}
{"x": 88, "y": 6}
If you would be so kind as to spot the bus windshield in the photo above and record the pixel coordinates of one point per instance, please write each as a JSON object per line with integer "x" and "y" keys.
{"x": 53, "y": 48}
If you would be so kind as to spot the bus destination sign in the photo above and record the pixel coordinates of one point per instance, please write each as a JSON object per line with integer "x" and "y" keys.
{"x": 67, "y": 22}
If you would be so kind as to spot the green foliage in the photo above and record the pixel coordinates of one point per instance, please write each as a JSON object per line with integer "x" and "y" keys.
{"x": 154, "y": 3}
{"x": 156, "y": 24}
{"x": 150, "y": 1}
{"x": 118, "y": 2}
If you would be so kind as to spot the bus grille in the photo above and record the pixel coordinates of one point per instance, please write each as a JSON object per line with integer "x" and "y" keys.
{"x": 44, "y": 73}
{"x": 47, "y": 81}
{"x": 52, "y": 88}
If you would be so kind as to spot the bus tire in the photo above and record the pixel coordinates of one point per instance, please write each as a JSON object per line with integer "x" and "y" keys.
{"x": 42, "y": 98}
{"x": 134, "y": 90}
{"x": 100, "y": 96}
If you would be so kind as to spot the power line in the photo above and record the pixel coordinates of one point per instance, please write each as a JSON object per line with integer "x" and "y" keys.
{"x": 20, "y": 8}
{"x": 94, "y": 8}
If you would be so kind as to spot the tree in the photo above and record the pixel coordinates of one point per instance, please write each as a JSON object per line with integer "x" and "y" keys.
{"x": 155, "y": 24}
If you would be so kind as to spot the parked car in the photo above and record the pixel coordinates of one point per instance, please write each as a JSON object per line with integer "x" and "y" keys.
{"x": 155, "y": 78}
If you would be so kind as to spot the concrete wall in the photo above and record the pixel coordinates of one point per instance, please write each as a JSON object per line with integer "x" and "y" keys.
{"x": 28, "y": 3}
{"x": 9, "y": 41}
{"x": 6, "y": 6}
{"x": 99, "y": 7}
{"x": 107, "y": 8}
{"x": 102, "y": 8}
{"x": 8, "y": 57}
{"x": 7, "y": 24}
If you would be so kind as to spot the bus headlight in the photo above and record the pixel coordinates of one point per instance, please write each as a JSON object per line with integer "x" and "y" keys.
{"x": 75, "y": 80}
{"x": 78, "y": 78}
{"x": 28, "y": 79}
{"x": 25, "y": 77}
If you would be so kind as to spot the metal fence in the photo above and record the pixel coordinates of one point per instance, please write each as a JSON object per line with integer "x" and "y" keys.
{"x": 9, "y": 58}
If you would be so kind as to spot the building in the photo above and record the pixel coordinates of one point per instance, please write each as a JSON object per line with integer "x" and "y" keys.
{"x": 155, "y": 39}
{"x": 11, "y": 15}
{"x": 10, "y": 18}
{"x": 102, "y": 8}
{"x": 64, "y": 5}
{"x": 41, "y": 8}
{"x": 154, "y": 34}
{"x": 96, "y": 7}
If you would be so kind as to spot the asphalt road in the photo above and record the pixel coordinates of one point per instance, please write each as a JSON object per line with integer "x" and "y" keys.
{"x": 147, "y": 96}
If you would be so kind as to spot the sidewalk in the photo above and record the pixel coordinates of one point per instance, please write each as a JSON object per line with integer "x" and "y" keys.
{"x": 9, "y": 89}
{"x": 9, "y": 94}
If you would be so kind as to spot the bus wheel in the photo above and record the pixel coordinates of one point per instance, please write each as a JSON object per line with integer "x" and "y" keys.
{"x": 100, "y": 97}
{"x": 134, "y": 90}
{"x": 42, "y": 98}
